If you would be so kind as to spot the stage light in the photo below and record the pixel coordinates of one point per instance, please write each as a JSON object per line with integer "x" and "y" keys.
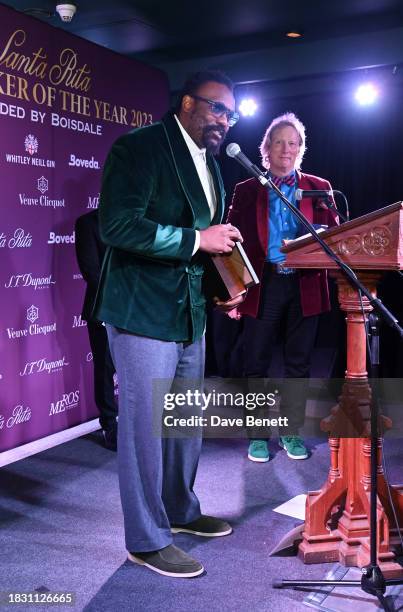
{"x": 366, "y": 94}
{"x": 248, "y": 107}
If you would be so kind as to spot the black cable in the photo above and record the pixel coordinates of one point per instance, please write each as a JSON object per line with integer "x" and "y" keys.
{"x": 334, "y": 208}
{"x": 347, "y": 216}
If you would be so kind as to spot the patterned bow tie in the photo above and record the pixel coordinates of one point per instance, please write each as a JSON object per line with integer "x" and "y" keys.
{"x": 284, "y": 180}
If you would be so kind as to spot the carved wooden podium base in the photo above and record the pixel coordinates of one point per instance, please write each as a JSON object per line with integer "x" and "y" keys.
{"x": 337, "y": 516}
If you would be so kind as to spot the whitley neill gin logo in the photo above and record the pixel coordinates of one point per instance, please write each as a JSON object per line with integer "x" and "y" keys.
{"x": 31, "y": 144}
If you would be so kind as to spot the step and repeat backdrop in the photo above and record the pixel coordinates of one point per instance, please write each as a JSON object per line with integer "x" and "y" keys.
{"x": 63, "y": 102}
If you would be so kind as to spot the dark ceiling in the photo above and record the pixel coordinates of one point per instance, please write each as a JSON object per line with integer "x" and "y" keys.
{"x": 176, "y": 34}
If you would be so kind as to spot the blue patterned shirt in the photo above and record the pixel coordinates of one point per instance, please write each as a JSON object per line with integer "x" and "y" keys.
{"x": 282, "y": 223}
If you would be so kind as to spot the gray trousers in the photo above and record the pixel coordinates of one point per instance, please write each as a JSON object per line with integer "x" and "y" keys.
{"x": 156, "y": 476}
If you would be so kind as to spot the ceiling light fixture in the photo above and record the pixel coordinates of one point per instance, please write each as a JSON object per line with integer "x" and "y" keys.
{"x": 66, "y": 11}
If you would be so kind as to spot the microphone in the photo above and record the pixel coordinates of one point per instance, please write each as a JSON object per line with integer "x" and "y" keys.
{"x": 317, "y": 193}
{"x": 234, "y": 150}
{"x": 325, "y": 194}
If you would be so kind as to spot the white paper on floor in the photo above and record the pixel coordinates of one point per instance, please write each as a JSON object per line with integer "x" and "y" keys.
{"x": 289, "y": 540}
{"x": 293, "y": 507}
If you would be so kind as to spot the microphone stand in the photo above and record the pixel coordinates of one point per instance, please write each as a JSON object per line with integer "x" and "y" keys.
{"x": 372, "y": 581}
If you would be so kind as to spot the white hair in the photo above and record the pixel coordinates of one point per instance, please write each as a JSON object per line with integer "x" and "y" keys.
{"x": 288, "y": 119}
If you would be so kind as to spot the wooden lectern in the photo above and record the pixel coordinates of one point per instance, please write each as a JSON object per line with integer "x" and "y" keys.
{"x": 337, "y": 516}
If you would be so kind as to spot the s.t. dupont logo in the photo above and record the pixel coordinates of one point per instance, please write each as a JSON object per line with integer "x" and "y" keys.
{"x": 43, "y": 365}
{"x": 28, "y": 280}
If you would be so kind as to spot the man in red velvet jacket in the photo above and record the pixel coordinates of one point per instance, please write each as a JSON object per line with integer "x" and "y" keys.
{"x": 285, "y": 299}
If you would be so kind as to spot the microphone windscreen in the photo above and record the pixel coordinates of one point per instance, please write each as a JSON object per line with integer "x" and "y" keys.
{"x": 233, "y": 149}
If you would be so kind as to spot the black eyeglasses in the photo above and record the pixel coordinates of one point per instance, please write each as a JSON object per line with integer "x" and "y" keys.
{"x": 219, "y": 109}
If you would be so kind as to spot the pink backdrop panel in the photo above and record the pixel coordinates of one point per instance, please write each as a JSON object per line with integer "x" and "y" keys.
{"x": 63, "y": 101}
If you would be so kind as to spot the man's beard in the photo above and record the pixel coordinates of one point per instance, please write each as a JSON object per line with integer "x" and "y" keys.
{"x": 212, "y": 146}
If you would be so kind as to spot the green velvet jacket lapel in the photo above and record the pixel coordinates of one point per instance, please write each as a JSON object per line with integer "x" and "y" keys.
{"x": 189, "y": 178}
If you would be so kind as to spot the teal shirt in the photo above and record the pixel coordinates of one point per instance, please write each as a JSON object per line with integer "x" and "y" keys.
{"x": 282, "y": 223}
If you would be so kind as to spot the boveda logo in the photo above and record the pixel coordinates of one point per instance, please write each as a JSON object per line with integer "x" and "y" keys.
{"x": 61, "y": 239}
{"x": 83, "y": 163}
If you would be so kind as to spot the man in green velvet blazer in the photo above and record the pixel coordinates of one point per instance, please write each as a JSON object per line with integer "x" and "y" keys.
{"x": 160, "y": 212}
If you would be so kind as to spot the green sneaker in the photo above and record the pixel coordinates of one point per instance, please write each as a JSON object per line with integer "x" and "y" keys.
{"x": 258, "y": 451}
{"x": 295, "y": 447}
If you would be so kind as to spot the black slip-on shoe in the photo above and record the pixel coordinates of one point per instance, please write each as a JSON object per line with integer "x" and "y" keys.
{"x": 110, "y": 437}
{"x": 207, "y": 526}
{"x": 169, "y": 561}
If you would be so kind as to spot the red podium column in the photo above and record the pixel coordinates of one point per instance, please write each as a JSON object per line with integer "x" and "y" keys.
{"x": 337, "y": 516}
